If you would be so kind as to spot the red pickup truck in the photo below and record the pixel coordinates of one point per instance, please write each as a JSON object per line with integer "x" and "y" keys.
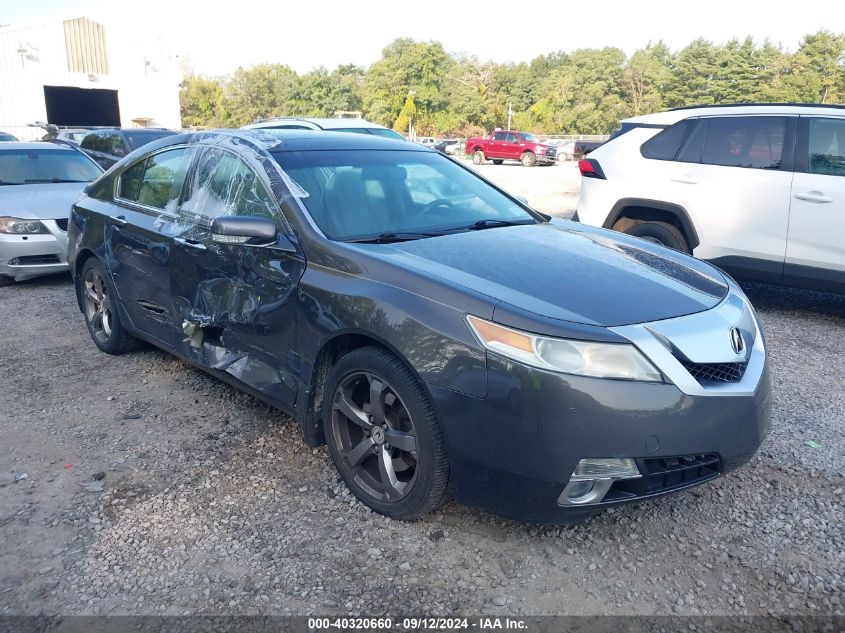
{"x": 511, "y": 145}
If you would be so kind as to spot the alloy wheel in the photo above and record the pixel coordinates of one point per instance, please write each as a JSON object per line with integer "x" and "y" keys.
{"x": 98, "y": 307}
{"x": 375, "y": 436}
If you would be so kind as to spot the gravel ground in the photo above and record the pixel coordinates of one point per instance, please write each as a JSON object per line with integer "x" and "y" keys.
{"x": 137, "y": 484}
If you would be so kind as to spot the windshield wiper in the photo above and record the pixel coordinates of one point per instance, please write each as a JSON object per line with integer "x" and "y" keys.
{"x": 387, "y": 238}
{"x": 489, "y": 224}
{"x": 35, "y": 180}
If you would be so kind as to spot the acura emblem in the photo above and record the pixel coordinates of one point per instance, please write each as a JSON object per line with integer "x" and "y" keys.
{"x": 736, "y": 341}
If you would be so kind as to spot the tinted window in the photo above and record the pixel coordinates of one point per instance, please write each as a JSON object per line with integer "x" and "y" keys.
{"x": 113, "y": 144}
{"x": 130, "y": 181}
{"x": 512, "y": 138}
{"x": 666, "y": 144}
{"x": 139, "y": 138}
{"x": 826, "y": 147}
{"x": 755, "y": 142}
{"x": 222, "y": 184}
{"x": 21, "y": 166}
{"x": 500, "y": 136}
{"x": 89, "y": 142}
{"x": 161, "y": 183}
{"x": 360, "y": 195}
{"x": 694, "y": 145}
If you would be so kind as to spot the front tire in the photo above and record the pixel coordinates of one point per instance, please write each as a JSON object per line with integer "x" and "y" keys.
{"x": 661, "y": 233}
{"x": 383, "y": 435}
{"x": 528, "y": 159}
{"x": 477, "y": 157}
{"x": 6, "y": 281}
{"x": 100, "y": 309}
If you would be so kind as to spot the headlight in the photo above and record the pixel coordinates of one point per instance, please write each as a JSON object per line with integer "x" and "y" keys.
{"x": 599, "y": 360}
{"x": 16, "y": 226}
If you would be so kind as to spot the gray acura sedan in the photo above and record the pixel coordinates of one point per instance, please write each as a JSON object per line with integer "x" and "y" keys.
{"x": 438, "y": 334}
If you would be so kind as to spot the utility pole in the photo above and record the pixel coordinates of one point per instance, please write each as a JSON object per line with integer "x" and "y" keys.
{"x": 510, "y": 113}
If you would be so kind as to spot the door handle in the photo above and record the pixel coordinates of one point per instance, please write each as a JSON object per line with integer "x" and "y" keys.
{"x": 814, "y": 196}
{"x": 686, "y": 180}
{"x": 120, "y": 220}
{"x": 189, "y": 243}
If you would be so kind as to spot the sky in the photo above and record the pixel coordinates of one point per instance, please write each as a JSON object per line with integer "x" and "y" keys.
{"x": 214, "y": 38}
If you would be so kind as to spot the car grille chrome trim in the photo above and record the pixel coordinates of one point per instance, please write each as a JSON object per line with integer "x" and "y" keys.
{"x": 705, "y": 337}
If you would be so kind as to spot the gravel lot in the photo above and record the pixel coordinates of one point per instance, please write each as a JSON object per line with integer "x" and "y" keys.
{"x": 552, "y": 189}
{"x": 211, "y": 502}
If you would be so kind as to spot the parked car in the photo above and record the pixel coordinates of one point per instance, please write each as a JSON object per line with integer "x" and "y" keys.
{"x": 73, "y": 135}
{"x": 357, "y": 126}
{"x": 109, "y": 145}
{"x": 38, "y": 184}
{"x": 6, "y": 138}
{"x": 559, "y": 370}
{"x": 758, "y": 190}
{"x": 566, "y": 151}
{"x": 448, "y": 146}
{"x": 583, "y": 148}
{"x": 510, "y": 145}
{"x": 427, "y": 141}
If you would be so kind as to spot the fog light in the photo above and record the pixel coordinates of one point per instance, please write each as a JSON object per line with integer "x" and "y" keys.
{"x": 592, "y": 478}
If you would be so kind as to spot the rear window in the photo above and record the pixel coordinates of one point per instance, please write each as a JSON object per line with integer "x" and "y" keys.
{"x": 755, "y": 142}
{"x": 139, "y": 138}
{"x": 665, "y": 145}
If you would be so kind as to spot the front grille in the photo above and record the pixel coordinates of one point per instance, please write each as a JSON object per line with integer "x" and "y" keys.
{"x": 62, "y": 224}
{"x": 709, "y": 373}
{"x": 35, "y": 260}
{"x": 551, "y": 151}
{"x": 664, "y": 474}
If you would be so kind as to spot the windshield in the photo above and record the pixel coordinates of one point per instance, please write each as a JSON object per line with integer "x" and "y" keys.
{"x": 359, "y": 195}
{"x": 376, "y": 131}
{"x": 21, "y": 166}
{"x": 528, "y": 136}
{"x": 140, "y": 138}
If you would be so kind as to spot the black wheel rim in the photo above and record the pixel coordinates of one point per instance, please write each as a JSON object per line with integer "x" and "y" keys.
{"x": 375, "y": 437}
{"x": 98, "y": 308}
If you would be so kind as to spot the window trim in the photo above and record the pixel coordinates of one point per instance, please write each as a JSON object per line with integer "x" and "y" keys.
{"x": 802, "y": 145}
{"x": 694, "y": 123}
{"x": 146, "y": 207}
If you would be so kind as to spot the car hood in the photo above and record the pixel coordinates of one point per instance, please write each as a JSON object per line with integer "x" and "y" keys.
{"x": 41, "y": 201}
{"x": 565, "y": 271}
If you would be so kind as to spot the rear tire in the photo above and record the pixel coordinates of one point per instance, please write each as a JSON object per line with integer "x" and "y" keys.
{"x": 528, "y": 159}
{"x": 478, "y": 157}
{"x": 661, "y": 233}
{"x": 383, "y": 435}
{"x": 98, "y": 299}
{"x": 6, "y": 281}
{"x": 497, "y": 161}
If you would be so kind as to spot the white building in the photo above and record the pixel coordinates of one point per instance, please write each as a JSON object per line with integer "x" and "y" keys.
{"x": 70, "y": 74}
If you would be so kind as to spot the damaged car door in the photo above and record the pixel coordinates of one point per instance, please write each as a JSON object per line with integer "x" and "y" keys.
{"x": 235, "y": 299}
{"x": 138, "y": 238}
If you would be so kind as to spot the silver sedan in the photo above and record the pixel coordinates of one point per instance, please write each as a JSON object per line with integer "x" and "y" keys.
{"x": 38, "y": 184}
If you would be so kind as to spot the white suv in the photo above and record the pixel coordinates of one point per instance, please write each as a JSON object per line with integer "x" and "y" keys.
{"x": 758, "y": 190}
{"x": 338, "y": 124}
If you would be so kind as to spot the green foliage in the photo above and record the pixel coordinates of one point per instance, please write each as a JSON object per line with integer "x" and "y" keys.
{"x": 586, "y": 91}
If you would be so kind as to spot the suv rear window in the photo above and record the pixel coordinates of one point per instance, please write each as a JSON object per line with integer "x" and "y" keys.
{"x": 666, "y": 144}
{"x": 755, "y": 142}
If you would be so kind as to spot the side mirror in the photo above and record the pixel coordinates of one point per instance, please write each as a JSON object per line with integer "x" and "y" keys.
{"x": 244, "y": 229}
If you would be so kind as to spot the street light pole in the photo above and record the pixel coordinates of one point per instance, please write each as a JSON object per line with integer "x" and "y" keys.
{"x": 510, "y": 114}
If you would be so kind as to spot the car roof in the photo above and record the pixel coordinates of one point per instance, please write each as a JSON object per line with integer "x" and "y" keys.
{"x": 59, "y": 147}
{"x": 325, "y": 124}
{"x": 670, "y": 117}
{"x": 279, "y": 140}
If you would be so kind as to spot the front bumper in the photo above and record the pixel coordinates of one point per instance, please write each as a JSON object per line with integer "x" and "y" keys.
{"x": 513, "y": 452}
{"x": 26, "y": 256}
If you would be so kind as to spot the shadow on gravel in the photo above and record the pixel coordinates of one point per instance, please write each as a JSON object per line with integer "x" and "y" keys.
{"x": 769, "y": 297}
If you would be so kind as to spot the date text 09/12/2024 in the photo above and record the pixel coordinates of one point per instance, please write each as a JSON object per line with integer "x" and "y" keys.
{"x": 417, "y": 624}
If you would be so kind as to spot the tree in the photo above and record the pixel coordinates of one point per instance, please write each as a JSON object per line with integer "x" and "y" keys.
{"x": 260, "y": 91}
{"x": 405, "y": 121}
{"x": 646, "y": 77}
{"x": 406, "y": 66}
{"x": 201, "y": 102}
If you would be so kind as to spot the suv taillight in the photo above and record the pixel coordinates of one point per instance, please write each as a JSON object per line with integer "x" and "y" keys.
{"x": 590, "y": 168}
